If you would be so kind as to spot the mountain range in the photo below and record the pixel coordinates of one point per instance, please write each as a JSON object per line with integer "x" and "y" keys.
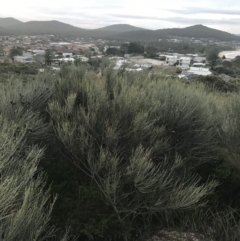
{"x": 11, "y": 26}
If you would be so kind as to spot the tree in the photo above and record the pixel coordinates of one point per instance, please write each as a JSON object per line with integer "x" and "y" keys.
{"x": 48, "y": 57}
{"x": 124, "y": 48}
{"x": 1, "y": 50}
{"x": 213, "y": 57}
{"x": 135, "y": 48}
{"x": 151, "y": 51}
{"x": 16, "y": 51}
{"x": 112, "y": 51}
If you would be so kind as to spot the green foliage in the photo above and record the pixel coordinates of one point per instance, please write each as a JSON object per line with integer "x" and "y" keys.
{"x": 212, "y": 57}
{"x": 125, "y": 154}
{"x": 25, "y": 205}
{"x": 16, "y": 51}
{"x": 48, "y": 57}
{"x": 217, "y": 84}
{"x": 112, "y": 51}
{"x": 151, "y": 51}
{"x": 124, "y": 48}
{"x": 1, "y": 50}
{"x": 134, "y": 152}
{"x": 18, "y": 68}
{"x": 135, "y": 48}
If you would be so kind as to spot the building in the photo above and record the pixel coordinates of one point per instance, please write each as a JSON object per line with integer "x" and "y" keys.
{"x": 199, "y": 59}
{"x": 171, "y": 60}
{"x": 67, "y": 55}
{"x": 184, "y": 62}
{"x": 39, "y": 52}
{"x": 199, "y": 65}
{"x": 199, "y": 71}
{"x": 23, "y": 59}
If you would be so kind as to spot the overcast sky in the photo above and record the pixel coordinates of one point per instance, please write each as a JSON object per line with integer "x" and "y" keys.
{"x": 152, "y": 14}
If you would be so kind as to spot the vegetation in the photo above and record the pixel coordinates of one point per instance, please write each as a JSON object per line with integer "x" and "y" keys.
{"x": 135, "y": 48}
{"x": 126, "y": 155}
{"x": 16, "y": 51}
{"x": 112, "y": 51}
{"x": 18, "y": 68}
{"x": 212, "y": 57}
{"x": 48, "y": 57}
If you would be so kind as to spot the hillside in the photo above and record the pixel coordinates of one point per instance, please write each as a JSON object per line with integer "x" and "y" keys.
{"x": 121, "y": 32}
{"x": 53, "y": 27}
{"x": 120, "y": 28}
{"x": 6, "y": 22}
{"x": 199, "y": 31}
{"x": 43, "y": 27}
{"x": 140, "y": 35}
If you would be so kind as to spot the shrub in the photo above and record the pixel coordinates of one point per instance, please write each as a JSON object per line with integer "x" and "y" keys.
{"x": 138, "y": 142}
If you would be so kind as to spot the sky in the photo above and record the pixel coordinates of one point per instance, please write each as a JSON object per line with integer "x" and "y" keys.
{"x": 152, "y": 14}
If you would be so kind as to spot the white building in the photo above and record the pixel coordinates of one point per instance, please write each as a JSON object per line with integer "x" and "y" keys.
{"x": 23, "y": 59}
{"x": 171, "y": 60}
{"x": 67, "y": 60}
{"x": 199, "y": 71}
{"x": 200, "y": 59}
{"x": 199, "y": 65}
{"x": 38, "y": 52}
{"x": 184, "y": 62}
{"x": 120, "y": 63}
{"x": 67, "y": 55}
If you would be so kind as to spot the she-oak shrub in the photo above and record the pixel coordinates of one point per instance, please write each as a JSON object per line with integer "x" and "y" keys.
{"x": 25, "y": 202}
{"x": 138, "y": 141}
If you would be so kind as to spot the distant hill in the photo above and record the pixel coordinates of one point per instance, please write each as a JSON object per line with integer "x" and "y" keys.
{"x": 6, "y": 22}
{"x": 199, "y": 31}
{"x": 140, "y": 35}
{"x": 196, "y": 31}
{"x": 53, "y": 27}
{"x": 120, "y": 28}
{"x": 121, "y": 32}
{"x": 42, "y": 27}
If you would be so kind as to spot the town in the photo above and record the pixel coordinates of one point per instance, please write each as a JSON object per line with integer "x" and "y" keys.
{"x": 50, "y": 50}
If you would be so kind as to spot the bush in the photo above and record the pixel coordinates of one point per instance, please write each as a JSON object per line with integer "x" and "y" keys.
{"x": 136, "y": 142}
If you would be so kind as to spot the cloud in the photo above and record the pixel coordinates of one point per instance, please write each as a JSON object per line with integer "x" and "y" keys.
{"x": 195, "y": 10}
{"x": 128, "y": 16}
{"x": 149, "y": 14}
{"x": 212, "y": 21}
{"x": 182, "y": 20}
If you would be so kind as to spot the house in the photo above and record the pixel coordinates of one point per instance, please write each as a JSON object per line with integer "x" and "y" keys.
{"x": 199, "y": 71}
{"x": 200, "y": 65}
{"x": 23, "y": 59}
{"x": 134, "y": 68}
{"x": 184, "y": 62}
{"x": 171, "y": 60}
{"x": 120, "y": 64}
{"x": 84, "y": 59}
{"x": 199, "y": 59}
{"x": 38, "y": 52}
{"x": 67, "y": 55}
{"x": 67, "y": 60}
